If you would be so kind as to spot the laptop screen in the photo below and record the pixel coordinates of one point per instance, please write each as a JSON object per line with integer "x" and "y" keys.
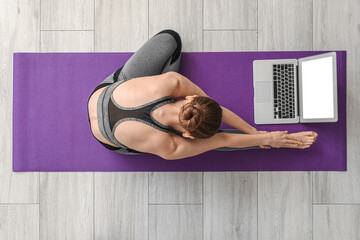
{"x": 317, "y": 88}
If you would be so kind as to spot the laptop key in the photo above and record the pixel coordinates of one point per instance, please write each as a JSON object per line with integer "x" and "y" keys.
{"x": 275, "y": 89}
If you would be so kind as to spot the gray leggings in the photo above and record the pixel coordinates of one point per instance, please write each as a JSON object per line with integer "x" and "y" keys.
{"x": 160, "y": 54}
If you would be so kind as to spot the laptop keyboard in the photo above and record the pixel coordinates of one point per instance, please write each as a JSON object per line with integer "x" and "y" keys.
{"x": 284, "y": 97}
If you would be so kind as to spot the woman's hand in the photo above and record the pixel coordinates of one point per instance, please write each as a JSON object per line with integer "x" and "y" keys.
{"x": 281, "y": 138}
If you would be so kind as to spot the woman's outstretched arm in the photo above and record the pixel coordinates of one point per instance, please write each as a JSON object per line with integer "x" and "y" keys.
{"x": 186, "y": 87}
{"x": 237, "y": 122}
{"x": 183, "y": 148}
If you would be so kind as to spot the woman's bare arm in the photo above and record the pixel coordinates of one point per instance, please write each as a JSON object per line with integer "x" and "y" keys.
{"x": 230, "y": 118}
{"x": 187, "y": 88}
{"x": 190, "y": 147}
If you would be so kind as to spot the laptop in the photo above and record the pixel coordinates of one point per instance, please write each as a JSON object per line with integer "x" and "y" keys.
{"x": 295, "y": 90}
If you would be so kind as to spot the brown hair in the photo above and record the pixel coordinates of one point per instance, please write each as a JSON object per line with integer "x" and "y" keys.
{"x": 201, "y": 117}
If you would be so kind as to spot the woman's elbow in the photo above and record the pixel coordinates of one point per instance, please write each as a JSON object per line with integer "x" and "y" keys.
{"x": 171, "y": 156}
{"x": 170, "y": 152}
{"x": 171, "y": 74}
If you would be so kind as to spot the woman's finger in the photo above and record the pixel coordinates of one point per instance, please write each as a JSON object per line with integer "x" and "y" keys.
{"x": 288, "y": 136}
{"x": 291, "y": 141}
{"x": 291, "y": 145}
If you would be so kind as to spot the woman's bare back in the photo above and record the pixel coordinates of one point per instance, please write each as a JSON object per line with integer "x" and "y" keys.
{"x": 132, "y": 93}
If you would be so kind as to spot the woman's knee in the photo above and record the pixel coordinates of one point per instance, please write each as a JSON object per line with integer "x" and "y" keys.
{"x": 177, "y": 38}
{"x": 173, "y": 33}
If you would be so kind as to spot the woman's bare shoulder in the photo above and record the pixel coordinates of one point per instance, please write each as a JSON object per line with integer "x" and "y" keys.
{"x": 138, "y": 91}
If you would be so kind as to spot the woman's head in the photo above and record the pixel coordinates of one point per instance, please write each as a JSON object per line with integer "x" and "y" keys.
{"x": 200, "y": 116}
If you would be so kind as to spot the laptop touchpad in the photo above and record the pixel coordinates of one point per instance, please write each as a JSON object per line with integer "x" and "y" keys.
{"x": 263, "y": 92}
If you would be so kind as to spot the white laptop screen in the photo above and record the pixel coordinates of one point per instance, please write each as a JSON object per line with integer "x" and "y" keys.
{"x": 317, "y": 88}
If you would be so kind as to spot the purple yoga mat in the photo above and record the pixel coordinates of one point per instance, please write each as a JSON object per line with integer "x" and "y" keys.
{"x": 51, "y": 131}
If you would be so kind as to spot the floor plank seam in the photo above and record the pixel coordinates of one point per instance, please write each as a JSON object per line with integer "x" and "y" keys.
{"x": 175, "y": 204}
{"x": 66, "y": 30}
{"x": 312, "y": 206}
{"x": 202, "y": 30}
{"x": 257, "y": 205}
{"x": 94, "y": 28}
{"x": 93, "y": 205}
{"x": 148, "y": 216}
{"x": 202, "y": 200}
{"x": 19, "y": 204}
{"x": 233, "y": 30}
{"x": 336, "y": 204}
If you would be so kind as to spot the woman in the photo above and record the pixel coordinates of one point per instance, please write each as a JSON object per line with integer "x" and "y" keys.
{"x": 141, "y": 116}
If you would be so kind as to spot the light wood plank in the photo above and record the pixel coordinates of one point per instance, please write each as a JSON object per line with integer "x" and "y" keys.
{"x": 19, "y": 222}
{"x": 284, "y": 198}
{"x": 230, "y": 205}
{"x": 175, "y": 187}
{"x": 285, "y": 205}
{"x": 66, "y": 198}
{"x": 230, "y": 14}
{"x": 175, "y": 222}
{"x": 285, "y": 25}
{"x": 121, "y": 205}
{"x": 182, "y": 16}
{"x": 19, "y": 31}
{"x": 121, "y": 199}
{"x": 121, "y": 25}
{"x": 67, "y": 41}
{"x": 336, "y": 222}
{"x": 336, "y": 27}
{"x": 67, "y": 15}
{"x": 66, "y": 205}
{"x": 225, "y": 41}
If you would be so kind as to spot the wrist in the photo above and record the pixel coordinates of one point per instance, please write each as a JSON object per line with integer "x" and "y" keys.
{"x": 267, "y": 139}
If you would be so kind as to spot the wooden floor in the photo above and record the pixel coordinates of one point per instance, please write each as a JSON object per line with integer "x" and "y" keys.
{"x": 182, "y": 205}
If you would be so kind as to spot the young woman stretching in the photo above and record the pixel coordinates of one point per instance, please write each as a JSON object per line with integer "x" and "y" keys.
{"x": 141, "y": 116}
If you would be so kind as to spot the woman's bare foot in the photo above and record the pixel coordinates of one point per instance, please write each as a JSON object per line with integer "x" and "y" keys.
{"x": 307, "y": 138}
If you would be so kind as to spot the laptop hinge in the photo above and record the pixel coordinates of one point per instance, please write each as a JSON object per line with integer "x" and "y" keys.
{"x": 297, "y": 86}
